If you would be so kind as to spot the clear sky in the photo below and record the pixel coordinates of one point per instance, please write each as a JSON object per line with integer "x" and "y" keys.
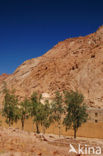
{"x": 29, "y": 28}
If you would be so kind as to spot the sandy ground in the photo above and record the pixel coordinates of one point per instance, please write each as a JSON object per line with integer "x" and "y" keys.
{"x": 15, "y": 142}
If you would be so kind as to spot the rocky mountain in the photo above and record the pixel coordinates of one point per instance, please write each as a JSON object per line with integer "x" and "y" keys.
{"x": 3, "y": 77}
{"x": 75, "y": 63}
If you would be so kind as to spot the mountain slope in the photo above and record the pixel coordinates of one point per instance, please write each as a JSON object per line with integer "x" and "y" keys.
{"x": 76, "y": 63}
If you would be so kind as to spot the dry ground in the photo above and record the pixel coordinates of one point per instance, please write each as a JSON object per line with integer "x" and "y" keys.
{"x": 15, "y": 142}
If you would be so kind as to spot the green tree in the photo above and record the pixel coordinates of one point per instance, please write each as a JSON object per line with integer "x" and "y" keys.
{"x": 35, "y": 110}
{"x": 76, "y": 111}
{"x": 24, "y": 111}
{"x": 10, "y": 109}
{"x": 58, "y": 110}
{"x": 46, "y": 115}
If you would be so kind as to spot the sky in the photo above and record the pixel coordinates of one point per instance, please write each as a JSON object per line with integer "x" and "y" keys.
{"x": 29, "y": 28}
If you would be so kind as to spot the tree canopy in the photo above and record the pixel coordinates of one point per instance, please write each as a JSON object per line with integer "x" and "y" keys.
{"x": 75, "y": 111}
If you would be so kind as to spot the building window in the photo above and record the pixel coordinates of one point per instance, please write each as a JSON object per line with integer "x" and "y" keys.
{"x": 96, "y": 121}
{"x": 96, "y": 114}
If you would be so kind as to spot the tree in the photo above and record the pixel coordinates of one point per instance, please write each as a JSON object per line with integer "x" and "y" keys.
{"x": 46, "y": 115}
{"x": 35, "y": 110}
{"x": 76, "y": 111}
{"x": 24, "y": 111}
{"x": 57, "y": 110}
{"x": 40, "y": 112}
{"x": 10, "y": 109}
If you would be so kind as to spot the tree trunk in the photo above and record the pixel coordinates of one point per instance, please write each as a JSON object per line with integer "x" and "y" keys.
{"x": 9, "y": 122}
{"x": 59, "y": 127}
{"x": 37, "y": 128}
{"x": 33, "y": 126}
{"x": 75, "y": 133}
{"x": 22, "y": 121}
{"x": 43, "y": 129}
{"x": 59, "y": 130}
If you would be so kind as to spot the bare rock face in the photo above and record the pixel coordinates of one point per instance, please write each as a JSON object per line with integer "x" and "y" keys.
{"x": 3, "y": 77}
{"x": 73, "y": 64}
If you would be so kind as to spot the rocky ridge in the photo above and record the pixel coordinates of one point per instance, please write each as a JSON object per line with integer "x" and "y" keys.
{"x": 75, "y": 63}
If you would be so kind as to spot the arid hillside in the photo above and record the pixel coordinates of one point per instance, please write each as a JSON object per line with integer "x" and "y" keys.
{"x": 75, "y": 63}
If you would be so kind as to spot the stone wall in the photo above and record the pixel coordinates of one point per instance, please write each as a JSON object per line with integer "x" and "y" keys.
{"x": 93, "y": 128}
{"x": 95, "y": 115}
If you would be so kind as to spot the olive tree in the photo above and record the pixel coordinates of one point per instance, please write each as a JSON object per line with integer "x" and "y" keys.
{"x": 10, "y": 107}
{"x": 57, "y": 110}
{"x": 47, "y": 118}
{"x": 76, "y": 111}
{"x": 24, "y": 111}
{"x": 35, "y": 110}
